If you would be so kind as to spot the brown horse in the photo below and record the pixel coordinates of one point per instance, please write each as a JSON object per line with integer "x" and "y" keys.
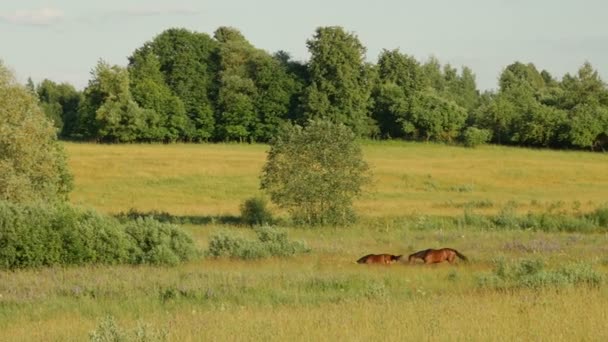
{"x": 432, "y": 256}
{"x": 379, "y": 259}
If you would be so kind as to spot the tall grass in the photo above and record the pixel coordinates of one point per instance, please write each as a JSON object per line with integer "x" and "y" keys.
{"x": 204, "y": 299}
{"x": 425, "y": 196}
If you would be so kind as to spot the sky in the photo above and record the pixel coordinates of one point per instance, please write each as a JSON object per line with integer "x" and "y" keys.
{"x": 62, "y": 40}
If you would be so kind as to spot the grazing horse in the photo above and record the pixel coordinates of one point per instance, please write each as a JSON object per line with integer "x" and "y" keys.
{"x": 379, "y": 259}
{"x": 432, "y": 256}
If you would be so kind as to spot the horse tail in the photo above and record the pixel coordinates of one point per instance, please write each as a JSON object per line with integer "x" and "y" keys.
{"x": 460, "y": 255}
{"x": 363, "y": 259}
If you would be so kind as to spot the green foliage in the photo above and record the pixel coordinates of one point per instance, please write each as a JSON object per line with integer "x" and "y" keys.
{"x": 473, "y": 136}
{"x": 315, "y": 172}
{"x": 340, "y": 86}
{"x": 270, "y": 242}
{"x": 159, "y": 243}
{"x": 188, "y": 64}
{"x": 533, "y": 275}
{"x": 546, "y": 221}
{"x": 60, "y": 103}
{"x": 109, "y": 331}
{"x": 112, "y": 113}
{"x": 43, "y": 235}
{"x": 188, "y": 86}
{"x": 599, "y": 216}
{"x": 33, "y": 165}
{"x": 46, "y": 235}
{"x": 586, "y": 124}
{"x": 169, "y": 121}
{"x": 434, "y": 118}
{"x": 254, "y": 211}
{"x": 533, "y": 109}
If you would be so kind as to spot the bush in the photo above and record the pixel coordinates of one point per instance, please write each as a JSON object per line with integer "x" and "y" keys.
{"x": 270, "y": 242}
{"x": 45, "y": 235}
{"x": 109, "y": 331}
{"x": 254, "y": 211}
{"x": 159, "y": 243}
{"x": 315, "y": 172}
{"x": 600, "y": 217}
{"x": 532, "y": 274}
{"x": 473, "y": 136}
{"x": 556, "y": 222}
{"x": 38, "y": 235}
{"x": 33, "y": 164}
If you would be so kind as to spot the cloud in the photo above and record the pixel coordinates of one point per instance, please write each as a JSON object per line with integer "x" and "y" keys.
{"x": 37, "y": 17}
{"x": 151, "y": 12}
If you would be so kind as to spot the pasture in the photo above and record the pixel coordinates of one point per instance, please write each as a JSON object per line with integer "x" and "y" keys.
{"x": 325, "y": 295}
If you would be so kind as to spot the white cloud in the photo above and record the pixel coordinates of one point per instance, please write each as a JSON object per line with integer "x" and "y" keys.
{"x": 37, "y": 17}
{"x": 148, "y": 12}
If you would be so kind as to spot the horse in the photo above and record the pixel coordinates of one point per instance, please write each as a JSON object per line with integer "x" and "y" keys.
{"x": 432, "y": 256}
{"x": 379, "y": 259}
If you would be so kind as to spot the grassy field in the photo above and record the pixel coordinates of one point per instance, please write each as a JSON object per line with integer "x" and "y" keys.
{"x": 212, "y": 180}
{"x": 324, "y": 295}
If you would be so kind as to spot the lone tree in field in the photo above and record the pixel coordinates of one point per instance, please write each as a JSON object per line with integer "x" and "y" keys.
{"x": 32, "y": 162}
{"x": 315, "y": 172}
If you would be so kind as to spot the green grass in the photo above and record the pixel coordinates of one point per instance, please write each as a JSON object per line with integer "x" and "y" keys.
{"x": 324, "y": 294}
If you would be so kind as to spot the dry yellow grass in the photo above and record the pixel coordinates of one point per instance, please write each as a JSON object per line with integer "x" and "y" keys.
{"x": 213, "y": 179}
{"x": 525, "y": 316}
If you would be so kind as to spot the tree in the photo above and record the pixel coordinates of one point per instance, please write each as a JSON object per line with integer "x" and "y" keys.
{"x": 298, "y": 72}
{"x": 587, "y": 125}
{"x": 237, "y": 116}
{"x": 399, "y": 79}
{"x": 61, "y": 103}
{"x": 108, "y": 99}
{"x": 585, "y": 97}
{"x": 169, "y": 122}
{"x": 277, "y": 91}
{"x": 315, "y": 172}
{"x": 33, "y": 165}
{"x": 340, "y": 85}
{"x": 518, "y": 74}
{"x": 188, "y": 63}
{"x": 434, "y": 118}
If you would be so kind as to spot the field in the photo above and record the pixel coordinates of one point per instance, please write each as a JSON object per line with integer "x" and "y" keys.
{"x": 324, "y": 295}
{"x": 212, "y": 180}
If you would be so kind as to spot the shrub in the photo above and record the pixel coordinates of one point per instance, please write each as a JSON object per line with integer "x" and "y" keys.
{"x": 507, "y": 217}
{"x": 600, "y": 217}
{"x": 315, "y": 172}
{"x": 159, "y": 243}
{"x": 45, "y": 235}
{"x": 38, "y": 235}
{"x": 254, "y": 211}
{"x": 270, "y": 242}
{"x": 532, "y": 274}
{"x": 33, "y": 164}
{"x": 473, "y": 136}
{"x": 475, "y": 220}
{"x": 277, "y": 244}
{"x": 108, "y": 331}
{"x": 228, "y": 245}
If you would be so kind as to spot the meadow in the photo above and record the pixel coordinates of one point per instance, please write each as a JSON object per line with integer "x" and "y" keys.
{"x": 419, "y": 192}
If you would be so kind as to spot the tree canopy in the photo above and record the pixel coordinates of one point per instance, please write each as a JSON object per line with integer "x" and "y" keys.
{"x": 33, "y": 165}
{"x": 190, "y": 86}
{"x": 315, "y": 172}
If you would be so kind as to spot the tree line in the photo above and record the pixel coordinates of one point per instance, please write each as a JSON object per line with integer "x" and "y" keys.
{"x": 190, "y": 86}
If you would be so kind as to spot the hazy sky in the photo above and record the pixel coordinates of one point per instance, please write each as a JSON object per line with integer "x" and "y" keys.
{"x": 63, "y": 39}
